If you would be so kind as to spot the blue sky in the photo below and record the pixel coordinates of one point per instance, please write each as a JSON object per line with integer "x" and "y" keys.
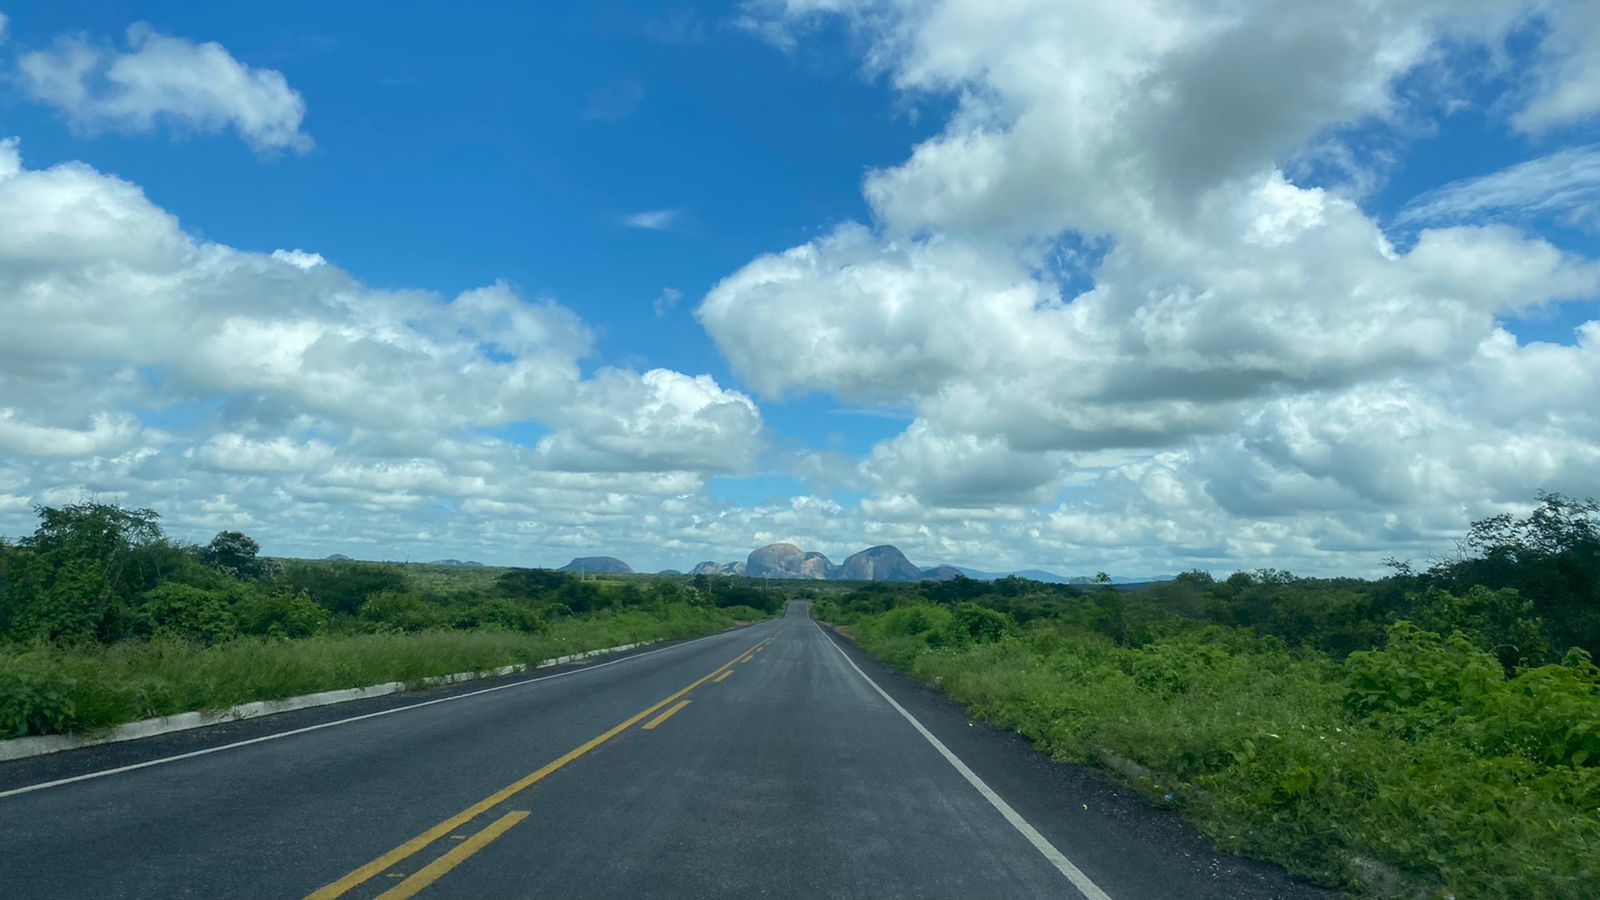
{"x": 839, "y": 213}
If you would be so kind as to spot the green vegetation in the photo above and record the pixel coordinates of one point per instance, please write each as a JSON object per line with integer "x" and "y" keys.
{"x": 1445, "y": 723}
{"x": 103, "y": 620}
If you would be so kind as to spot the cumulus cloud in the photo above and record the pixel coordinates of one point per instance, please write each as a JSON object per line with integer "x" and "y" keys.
{"x": 1239, "y": 322}
{"x": 658, "y": 421}
{"x": 161, "y": 80}
{"x": 291, "y": 395}
{"x": 107, "y": 433}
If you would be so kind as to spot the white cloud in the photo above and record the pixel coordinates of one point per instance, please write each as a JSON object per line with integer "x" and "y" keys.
{"x": 107, "y": 433}
{"x": 1566, "y": 82}
{"x": 1564, "y": 185}
{"x": 1258, "y": 346}
{"x": 659, "y": 421}
{"x": 665, "y": 301}
{"x": 4, "y": 23}
{"x": 651, "y": 219}
{"x": 320, "y": 411}
{"x": 231, "y": 452}
{"x": 165, "y": 80}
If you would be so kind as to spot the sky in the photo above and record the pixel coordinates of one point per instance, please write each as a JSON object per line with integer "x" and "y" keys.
{"x": 1134, "y": 287}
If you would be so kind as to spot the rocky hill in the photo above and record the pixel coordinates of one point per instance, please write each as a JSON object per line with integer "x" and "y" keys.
{"x": 788, "y": 561}
{"x": 883, "y": 563}
{"x": 607, "y": 564}
{"x": 716, "y": 568}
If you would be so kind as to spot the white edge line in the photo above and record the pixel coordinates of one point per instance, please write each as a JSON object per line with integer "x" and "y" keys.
{"x": 1074, "y": 874}
{"x": 372, "y": 715}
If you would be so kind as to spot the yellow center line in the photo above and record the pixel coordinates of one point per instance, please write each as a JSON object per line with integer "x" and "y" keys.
{"x": 651, "y": 725}
{"x": 435, "y": 870}
{"x": 723, "y": 677}
{"x": 362, "y": 874}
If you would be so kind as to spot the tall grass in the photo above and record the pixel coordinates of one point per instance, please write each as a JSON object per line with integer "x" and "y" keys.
{"x": 46, "y": 689}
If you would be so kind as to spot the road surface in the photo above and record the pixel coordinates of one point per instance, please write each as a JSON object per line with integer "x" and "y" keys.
{"x": 769, "y": 761}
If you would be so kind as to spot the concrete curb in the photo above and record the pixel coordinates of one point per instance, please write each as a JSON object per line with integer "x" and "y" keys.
{"x": 24, "y": 747}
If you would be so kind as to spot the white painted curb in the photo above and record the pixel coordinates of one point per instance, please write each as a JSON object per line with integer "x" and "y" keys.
{"x": 21, "y": 748}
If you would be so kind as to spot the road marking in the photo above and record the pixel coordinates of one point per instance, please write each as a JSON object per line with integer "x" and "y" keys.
{"x": 438, "y": 868}
{"x": 651, "y": 725}
{"x": 372, "y": 715}
{"x": 723, "y": 677}
{"x": 1074, "y": 874}
{"x": 362, "y": 874}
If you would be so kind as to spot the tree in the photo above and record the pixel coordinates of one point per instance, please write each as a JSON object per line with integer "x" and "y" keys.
{"x": 1551, "y": 557}
{"x": 74, "y": 578}
{"x": 234, "y": 552}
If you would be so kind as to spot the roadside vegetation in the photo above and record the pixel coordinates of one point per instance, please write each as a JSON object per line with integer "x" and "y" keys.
{"x": 1444, "y": 723}
{"x": 104, "y": 620}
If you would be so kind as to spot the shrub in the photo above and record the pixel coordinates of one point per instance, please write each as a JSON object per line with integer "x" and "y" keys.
{"x": 400, "y": 611}
{"x": 1418, "y": 680}
{"x": 181, "y": 610}
{"x": 32, "y": 703}
{"x": 280, "y": 614}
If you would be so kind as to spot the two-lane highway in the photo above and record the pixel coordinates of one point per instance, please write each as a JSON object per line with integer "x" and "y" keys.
{"x": 769, "y": 761}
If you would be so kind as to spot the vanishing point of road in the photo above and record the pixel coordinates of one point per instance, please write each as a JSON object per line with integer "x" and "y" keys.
{"x": 769, "y": 761}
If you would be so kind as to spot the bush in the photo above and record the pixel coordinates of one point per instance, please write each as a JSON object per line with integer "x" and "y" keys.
{"x": 180, "y": 610}
{"x": 280, "y": 614}
{"x": 342, "y": 586}
{"x": 1419, "y": 680}
{"x": 31, "y": 703}
{"x": 400, "y": 611}
{"x": 498, "y": 613}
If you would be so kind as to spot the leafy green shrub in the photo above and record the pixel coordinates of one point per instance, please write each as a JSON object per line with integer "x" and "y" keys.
{"x": 1419, "y": 680}
{"x": 400, "y": 611}
{"x": 34, "y": 703}
{"x": 498, "y": 613}
{"x": 280, "y": 614}
{"x": 969, "y": 623}
{"x": 1550, "y": 715}
{"x": 341, "y": 586}
{"x": 1501, "y": 622}
{"x": 184, "y": 611}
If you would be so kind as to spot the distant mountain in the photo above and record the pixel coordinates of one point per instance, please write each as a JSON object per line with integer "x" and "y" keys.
{"x": 337, "y": 557}
{"x": 669, "y": 572}
{"x": 788, "y": 561}
{"x": 1050, "y": 577}
{"x": 883, "y": 563}
{"x": 607, "y": 564}
{"x": 464, "y": 563}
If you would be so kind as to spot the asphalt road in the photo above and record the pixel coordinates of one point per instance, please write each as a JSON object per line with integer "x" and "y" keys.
{"x": 761, "y": 762}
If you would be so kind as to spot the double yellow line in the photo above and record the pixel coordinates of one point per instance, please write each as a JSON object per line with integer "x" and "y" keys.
{"x": 436, "y": 869}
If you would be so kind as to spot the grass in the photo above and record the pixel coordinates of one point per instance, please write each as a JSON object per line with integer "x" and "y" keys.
{"x": 47, "y": 689}
{"x": 1422, "y": 756}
